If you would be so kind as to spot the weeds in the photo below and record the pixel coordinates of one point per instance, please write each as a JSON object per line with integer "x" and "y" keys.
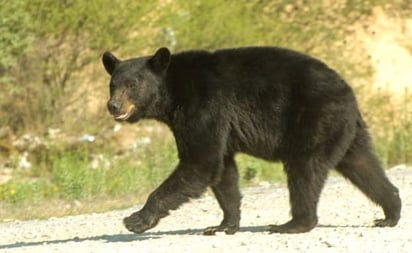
{"x": 391, "y": 126}
{"x": 70, "y": 174}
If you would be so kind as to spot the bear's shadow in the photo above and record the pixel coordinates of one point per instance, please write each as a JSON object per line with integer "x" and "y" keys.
{"x": 141, "y": 237}
{"x": 123, "y": 237}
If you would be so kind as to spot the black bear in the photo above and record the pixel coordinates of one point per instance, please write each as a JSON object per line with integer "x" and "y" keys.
{"x": 272, "y": 103}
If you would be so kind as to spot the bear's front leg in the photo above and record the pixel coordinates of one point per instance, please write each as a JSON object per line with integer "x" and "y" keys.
{"x": 178, "y": 188}
{"x": 228, "y": 195}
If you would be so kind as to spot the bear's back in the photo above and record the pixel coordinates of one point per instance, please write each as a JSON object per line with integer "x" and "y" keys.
{"x": 266, "y": 72}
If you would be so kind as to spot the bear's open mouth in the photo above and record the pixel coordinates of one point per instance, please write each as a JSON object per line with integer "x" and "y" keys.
{"x": 124, "y": 116}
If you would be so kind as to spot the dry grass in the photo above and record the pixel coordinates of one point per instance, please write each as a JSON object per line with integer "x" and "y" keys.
{"x": 58, "y": 207}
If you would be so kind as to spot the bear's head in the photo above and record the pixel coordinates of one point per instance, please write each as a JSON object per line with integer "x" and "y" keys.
{"x": 136, "y": 85}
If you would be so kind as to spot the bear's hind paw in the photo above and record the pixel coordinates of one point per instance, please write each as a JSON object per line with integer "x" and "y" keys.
{"x": 385, "y": 222}
{"x": 229, "y": 229}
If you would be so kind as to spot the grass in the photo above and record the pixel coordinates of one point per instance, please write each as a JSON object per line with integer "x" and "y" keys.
{"x": 390, "y": 123}
{"x": 70, "y": 174}
{"x": 63, "y": 207}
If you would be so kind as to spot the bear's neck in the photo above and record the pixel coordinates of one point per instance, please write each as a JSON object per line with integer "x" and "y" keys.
{"x": 181, "y": 84}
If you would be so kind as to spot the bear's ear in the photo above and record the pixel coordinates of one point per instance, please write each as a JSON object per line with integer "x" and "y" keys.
{"x": 110, "y": 62}
{"x": 160, "y": 60}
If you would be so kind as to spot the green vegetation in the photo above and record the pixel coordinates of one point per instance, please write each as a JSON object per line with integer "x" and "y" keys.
{"x": 391, "y": 126}
{"x": 51, "y": 77}
{"x": 69, "y": 175}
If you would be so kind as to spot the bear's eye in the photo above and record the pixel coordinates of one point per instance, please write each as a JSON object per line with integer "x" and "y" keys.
{"x": 130, "y": 84}
{"x": 139, "y": 78}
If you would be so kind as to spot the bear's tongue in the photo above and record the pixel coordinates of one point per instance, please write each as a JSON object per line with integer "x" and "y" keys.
{"x": 124, "y": 116}
{"x": 121, "y": 116}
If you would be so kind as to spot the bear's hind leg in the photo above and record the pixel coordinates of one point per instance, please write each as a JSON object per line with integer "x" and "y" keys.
{"x": 305, "y": 183}
{"x": 228, "y": 195}
{"x": 363, "y": 169}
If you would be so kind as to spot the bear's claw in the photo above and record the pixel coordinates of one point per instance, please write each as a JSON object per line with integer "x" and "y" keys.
{"x": 228, "y": 229}
{"x": 139, "y": 222}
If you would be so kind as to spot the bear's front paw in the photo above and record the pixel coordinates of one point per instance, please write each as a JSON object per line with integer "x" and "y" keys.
{"x": 140, "y": 221}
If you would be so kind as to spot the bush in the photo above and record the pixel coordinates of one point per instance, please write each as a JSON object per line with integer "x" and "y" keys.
{"x": 48, "y": 47}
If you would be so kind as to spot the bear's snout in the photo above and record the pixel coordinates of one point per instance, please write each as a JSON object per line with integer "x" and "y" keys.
{"x": 114, "y": 106}
{"x": 121, "y": 110}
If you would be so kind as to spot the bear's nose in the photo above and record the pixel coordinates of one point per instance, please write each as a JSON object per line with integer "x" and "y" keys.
{"x": 114, "y": 106}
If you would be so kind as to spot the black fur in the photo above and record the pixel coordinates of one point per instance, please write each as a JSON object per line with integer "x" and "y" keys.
{"x": 271, "y": 103}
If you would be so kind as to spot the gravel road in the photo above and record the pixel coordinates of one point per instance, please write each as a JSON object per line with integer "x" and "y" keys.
{"x": 345, "y": 219}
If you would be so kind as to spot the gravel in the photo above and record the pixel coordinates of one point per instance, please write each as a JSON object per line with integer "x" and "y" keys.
{"x": 345, "y": 225}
